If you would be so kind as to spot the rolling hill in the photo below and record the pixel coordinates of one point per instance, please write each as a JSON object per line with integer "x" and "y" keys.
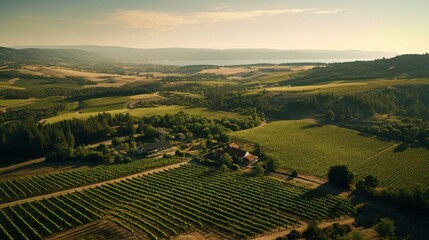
{"x": 49, "y": 56}
{"x": 403, "y": 66}
{"x": 199, "y": 54}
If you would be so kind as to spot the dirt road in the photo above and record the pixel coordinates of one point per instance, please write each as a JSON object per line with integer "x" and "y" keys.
{"x": 301, "y": 228}
{"x": 92, "y": 185}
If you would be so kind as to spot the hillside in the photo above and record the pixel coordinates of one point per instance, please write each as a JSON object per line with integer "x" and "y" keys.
{"x": 49, "y": 56}
{"x": 194, "y": 54}
{"x": 404, "y": 66}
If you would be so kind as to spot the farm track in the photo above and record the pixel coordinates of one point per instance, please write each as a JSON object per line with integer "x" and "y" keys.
{"x": 101, "y": 227}
{"x": 304, "y": 226}
{"x": 383, "y": 151}
{"x": 41, "y": 197}
{"x": 21, "y": 165}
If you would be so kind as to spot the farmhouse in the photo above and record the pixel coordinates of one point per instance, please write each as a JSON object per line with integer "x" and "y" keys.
{"x": 153, "y": 147}
{"x": 243, "y": 157}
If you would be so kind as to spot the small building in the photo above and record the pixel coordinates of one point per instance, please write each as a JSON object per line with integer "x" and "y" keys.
{"x": 243, "y": 157}
{"x": 153, "y": 147}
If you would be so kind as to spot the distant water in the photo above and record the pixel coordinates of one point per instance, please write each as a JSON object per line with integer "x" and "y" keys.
{"x": 250, "y": 61}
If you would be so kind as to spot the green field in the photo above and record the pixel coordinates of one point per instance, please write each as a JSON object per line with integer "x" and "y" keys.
{"x": 343, "y": 87}
{"x": 42, "y": 83}
{"x": 14, "y": 102}
{"x": 141, "y": 112}
{"x": 312, "y": 149}
{"x": 165, "y": 204}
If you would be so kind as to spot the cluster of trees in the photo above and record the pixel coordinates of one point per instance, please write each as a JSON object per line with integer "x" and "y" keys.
{"x": 34, "y": 115}
{"x": 174, "y": 99}
{"x": 385, "y": 229}
{"x": 404, "y": 101}
{"x": 413, "y": 197}
{"x": 197, "y": 126}
{"x": 224, "y": 99}
{"x": 195, "y": 77}
{"x": 28, "y": 138}
{"x": 34, "y": 93}
{"x": 96, "y": 92}
{"x": 410, "y": 133}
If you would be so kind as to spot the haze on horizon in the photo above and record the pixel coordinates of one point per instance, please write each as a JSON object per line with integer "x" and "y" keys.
{"x": 377, "y": 25}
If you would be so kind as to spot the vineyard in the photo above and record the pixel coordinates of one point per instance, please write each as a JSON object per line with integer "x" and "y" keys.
{"x": 16, "y": 189}
{"x": 171, "y": 202}
{"x": 312, "y": 149}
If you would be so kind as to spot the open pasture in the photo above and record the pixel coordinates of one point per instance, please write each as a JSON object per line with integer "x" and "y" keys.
{"x": 312, "y": 149}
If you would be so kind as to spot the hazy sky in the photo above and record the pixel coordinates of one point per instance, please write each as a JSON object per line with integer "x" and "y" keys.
{"x": 400, "y": 26}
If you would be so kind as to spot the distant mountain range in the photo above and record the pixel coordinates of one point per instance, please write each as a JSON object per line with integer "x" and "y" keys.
{"x": 100, "y": 53}
{"x": 50, "y": 56}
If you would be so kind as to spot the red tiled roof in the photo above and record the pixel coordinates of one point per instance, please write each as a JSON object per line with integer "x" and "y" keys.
{"x": 233, "y": 145}
{"x": 250, "y": 158}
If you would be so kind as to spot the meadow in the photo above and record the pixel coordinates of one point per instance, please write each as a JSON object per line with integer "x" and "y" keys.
{"x": 312, "y": 149}
{"x": 141, "y": 112}
{"x": 341, "y": 87}
{"x": 165, "y": 204}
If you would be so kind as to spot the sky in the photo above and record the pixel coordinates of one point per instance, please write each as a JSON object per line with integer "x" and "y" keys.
{"x": 399, "y": 26}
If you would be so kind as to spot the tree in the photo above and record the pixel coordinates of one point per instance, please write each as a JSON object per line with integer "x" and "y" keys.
{"x": 272, "y": 164}
{"x": 259, "y": 170}
{"x": 224, "y": 137}
{"x": 226, "y": 159}
{"x": 341, "y": 176}
{"x": 223, "y": 168}
{"x": 313, "y": 232}
{"x": 179, "y": 153}
{"x": 386, "y": 227}
{"x": 330, "y": 115}
{"x": 293, "y": 235}
{"x": 371, "y": 181}
{"x": 294, "y": 173}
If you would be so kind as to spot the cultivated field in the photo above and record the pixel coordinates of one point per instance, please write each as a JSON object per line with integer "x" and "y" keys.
{"x": 21, "y": 188}
{"x": 141, "y": 112}
{"x": 340, "y": 87}
{"x": 166, "y": 204}
{"x": 312, "y": 149}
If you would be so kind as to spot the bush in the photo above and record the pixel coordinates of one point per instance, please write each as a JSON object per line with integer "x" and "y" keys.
{"x": 235, "y": 167}
{"x": 340, "y": 176}
{"x": 259, "y": 170}
{"x": 294, "y": 174}
{"x": 272, "y": 164}
{"x": 385, "y": 228}
{"x": 294, "y": 234}
{"x": 223, "y": 168}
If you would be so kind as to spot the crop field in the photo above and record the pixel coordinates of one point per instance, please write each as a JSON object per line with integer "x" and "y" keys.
{"x": 42, "y": 83}
{"x": 312, "y": 149}
{"x": 168, "y": 203}
{"x": 345, "y": 87}
{"x": 14, "y": 102}
{"x": 141, "y": 112}
{"x": 15, "y": 189}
